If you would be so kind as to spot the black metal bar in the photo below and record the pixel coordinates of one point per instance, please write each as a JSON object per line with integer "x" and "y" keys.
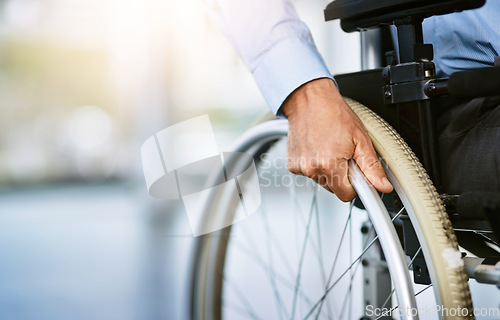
{"x": 409, "y": 35}
{"x": 424, "y": 139}
{"x": 433, "y": 143}
{"x": 436, "y": 87}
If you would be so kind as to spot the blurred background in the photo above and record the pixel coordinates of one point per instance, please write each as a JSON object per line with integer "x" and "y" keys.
{"x": 82, "y": 84}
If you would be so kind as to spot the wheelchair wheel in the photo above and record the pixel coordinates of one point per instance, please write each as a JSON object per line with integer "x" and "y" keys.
{"x": 306, "y": 255}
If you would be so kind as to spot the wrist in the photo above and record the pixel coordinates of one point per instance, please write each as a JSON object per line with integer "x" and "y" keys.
{"x": 307, "y": 95}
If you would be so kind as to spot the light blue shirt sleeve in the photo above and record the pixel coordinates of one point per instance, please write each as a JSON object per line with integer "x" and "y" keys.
{"x": 285, "y": 67}
{"x": 273, "y": 42}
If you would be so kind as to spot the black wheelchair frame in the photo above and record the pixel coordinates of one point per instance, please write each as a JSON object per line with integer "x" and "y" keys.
{"x": 408, "y": 95}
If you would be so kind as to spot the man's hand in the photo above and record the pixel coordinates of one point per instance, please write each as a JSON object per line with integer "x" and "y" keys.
{"x": 323, "y": 134}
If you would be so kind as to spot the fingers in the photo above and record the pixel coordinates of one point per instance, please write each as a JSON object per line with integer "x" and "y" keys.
{"x": 323, "y": 181}
{"x": 368, "y": 162}
{"x": 339, "y": 181}
{"x": 331, "y": 173}
{"x": 328, "y": 172}
{"x": 323, "y": 134}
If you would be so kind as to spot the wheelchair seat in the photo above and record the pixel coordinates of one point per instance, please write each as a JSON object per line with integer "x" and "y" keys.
{"x": 357, "y": 15}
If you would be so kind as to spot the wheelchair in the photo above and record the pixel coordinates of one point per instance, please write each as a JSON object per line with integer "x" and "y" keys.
{"x": 405, "y": 255}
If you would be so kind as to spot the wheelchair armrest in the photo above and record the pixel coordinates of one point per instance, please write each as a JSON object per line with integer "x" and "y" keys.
{"x": 475, "y": 83}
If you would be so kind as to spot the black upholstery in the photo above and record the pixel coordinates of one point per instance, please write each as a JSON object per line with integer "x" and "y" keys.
{"x": 364, "y": 14}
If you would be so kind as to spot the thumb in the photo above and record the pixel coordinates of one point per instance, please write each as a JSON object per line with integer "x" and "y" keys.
{"x": 367, "y": 160}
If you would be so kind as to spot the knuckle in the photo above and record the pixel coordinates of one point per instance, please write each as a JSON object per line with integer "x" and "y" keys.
{"x": 346, "y": 196}
{"x": 322, "y": 166}
{"x": 373, "y": 163}
{"x": 293, "y": 168}
{"x": 293, "y": 164}
{"x": 366, "y": 144}
{"x": 344, "y": 191}
{"x": 309, "y": 172}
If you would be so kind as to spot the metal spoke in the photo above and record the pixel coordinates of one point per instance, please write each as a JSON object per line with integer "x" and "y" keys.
{"x": 347, "y": 297}
{"x": 340, "y": 244}
{"x": 351, "y": 276}
{"x": 416, "y": 294}
{"x": 409, "y": 264}
{"x": 299, "y": 272}
{"x": 320, "y": 258}
{"x": 282, "y": 255}
{"x": 248, "y": 306}
{"x": 321, "y": 301}
{"x": 293, "y": 198}
{"x": 282, "y": 279}
{"x": 340, "y": 278}
{"x": 272, "y": 266}
{"x": 398, "y": 214}
{"x": 269, "y": 270}
{"x": 240, "y": 310}
{"x": 279, "y": 301}
{"x": 394, "y": 308}
{"x": 279, "y": 248}
{"x": 299, "y": 214}
{"x": 351, "y": 206}
{"x": 296, "y": 208}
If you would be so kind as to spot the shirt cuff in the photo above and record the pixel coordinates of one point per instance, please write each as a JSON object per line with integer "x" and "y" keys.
{"x": 285, "y": 67}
